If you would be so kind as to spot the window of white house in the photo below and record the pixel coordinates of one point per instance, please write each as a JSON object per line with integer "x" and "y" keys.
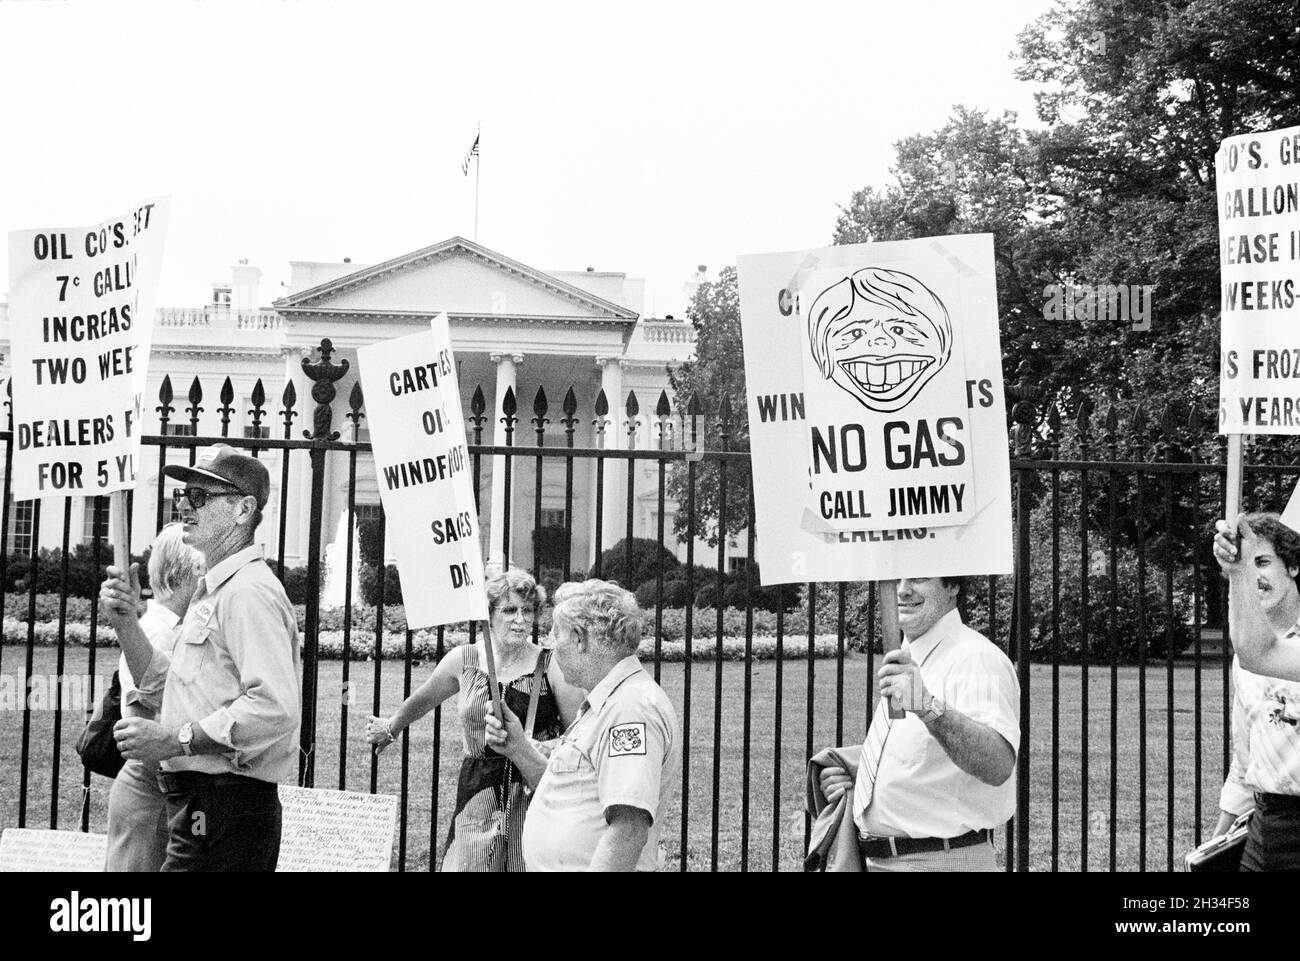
{"x": 88, "y": 525}
{"x": 20, "y": 527}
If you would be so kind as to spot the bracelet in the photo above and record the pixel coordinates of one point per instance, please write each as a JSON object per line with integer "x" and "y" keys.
{"x": 388, "y": 730}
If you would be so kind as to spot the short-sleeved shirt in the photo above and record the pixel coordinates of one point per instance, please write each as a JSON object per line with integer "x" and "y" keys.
{"x": 1265, "y": 739}
{"x": 919, "y": 791}
{"x": 235, "y": 672}
{"x": 160, "y": 626}
{"x": 623, "y": 749}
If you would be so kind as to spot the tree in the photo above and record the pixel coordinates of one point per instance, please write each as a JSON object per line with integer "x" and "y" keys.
{"x": 1118, "y": 188}
{"x": 714, "y": 380}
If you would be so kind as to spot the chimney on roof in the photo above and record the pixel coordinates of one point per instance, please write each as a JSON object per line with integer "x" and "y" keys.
{"x": 246, "y": 279}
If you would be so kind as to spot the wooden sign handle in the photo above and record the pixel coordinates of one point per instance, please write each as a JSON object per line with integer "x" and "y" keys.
{"x": 119, "y": 532}
{"x": 1232, "y": 489}
{"x": 891, "y": 637}
{"x": 493, "y": 687}
{"x": 534, "y": 694}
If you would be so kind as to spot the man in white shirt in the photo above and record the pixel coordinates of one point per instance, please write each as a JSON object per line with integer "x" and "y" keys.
{"x": 137, "y": 809}
{"x": 932, "y": 785}
{"x": 1263, "y": 611}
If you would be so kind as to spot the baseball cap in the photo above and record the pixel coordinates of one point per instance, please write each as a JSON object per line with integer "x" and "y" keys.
{"x": 223, "y": 463}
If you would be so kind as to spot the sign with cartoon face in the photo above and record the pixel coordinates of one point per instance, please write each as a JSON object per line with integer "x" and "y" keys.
{"x": 876, "y": 415}
{"x": 886, "y": 393}
{"x": 880, "y": 335}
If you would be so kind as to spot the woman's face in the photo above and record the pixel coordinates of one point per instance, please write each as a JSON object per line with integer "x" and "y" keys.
{"x": 512, "y": 620}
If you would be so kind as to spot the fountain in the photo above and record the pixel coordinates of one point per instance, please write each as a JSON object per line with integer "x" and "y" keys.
{"x": 336, "y": 556}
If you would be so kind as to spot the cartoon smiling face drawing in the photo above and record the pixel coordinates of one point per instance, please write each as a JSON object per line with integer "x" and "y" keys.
{"x": 881, "y": 336}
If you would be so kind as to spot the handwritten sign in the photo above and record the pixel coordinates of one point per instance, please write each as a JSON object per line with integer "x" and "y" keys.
{"x": 885, "y": 391}
{"x": 335, "y": 830}
{"x": 30, "y": 849}
{"x": 1258, "y": 182}
{"x": 876, "y": 413}
{"x": 81, "y": 307}
{"x": 417, "y": 429}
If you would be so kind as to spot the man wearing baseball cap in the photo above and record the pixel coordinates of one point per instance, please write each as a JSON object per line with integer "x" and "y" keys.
{"x": 227, "y": 732}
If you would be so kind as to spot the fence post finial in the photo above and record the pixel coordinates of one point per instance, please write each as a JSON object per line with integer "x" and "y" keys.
{"x": 323, "y": 376}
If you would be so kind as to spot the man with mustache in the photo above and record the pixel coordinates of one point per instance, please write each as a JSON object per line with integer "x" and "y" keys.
{"x": 932, "y": 786}
{"x": 1264, "y": 613}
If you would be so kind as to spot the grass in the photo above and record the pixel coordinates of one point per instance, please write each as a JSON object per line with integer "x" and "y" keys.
{"x": 755, "y": 803}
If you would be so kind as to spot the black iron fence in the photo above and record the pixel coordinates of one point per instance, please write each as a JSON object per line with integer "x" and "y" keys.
{"x": 1114, "y": 619}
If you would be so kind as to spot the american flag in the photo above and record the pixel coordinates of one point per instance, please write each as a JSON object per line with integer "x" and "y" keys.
{"x": 473, "y": 152}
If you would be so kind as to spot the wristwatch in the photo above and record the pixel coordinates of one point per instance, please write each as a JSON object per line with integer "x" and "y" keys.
{"x": 934, "y": 711}
{"x": 186, "y": 736}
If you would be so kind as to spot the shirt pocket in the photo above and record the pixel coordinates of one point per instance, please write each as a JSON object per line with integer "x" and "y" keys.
{"x": 568, "y": 758}
{"x": 191, "y": 653}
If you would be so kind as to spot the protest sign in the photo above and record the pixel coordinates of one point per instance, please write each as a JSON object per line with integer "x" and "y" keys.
{"x": 946, "y": 409}
{"x": 417, "y": 430}
{"x": 885, "y": 393}
{"x": 35, "y": 849}
{"x": 1258, "y": 184}
{"x": 326, "y": 830}
{"x": 81, "y": 310}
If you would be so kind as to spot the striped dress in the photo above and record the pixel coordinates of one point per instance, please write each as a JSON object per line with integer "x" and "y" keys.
{"x": 488, "y": 826}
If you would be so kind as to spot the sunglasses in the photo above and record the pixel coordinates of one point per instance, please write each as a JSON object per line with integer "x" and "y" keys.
{"x": 198, "y": 496}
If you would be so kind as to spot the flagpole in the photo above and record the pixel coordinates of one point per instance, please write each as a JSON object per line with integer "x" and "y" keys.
{"x": 478, "y": 170}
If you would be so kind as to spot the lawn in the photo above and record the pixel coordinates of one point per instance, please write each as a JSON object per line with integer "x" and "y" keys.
{"x": 764, "y": 794}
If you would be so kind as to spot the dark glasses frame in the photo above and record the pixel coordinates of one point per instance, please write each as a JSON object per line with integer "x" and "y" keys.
{"x": 198, "y": 496}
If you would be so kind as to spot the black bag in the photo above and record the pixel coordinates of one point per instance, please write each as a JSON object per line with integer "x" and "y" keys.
{"x": 1221, "y": 854}
{"x": 96, "y": 746}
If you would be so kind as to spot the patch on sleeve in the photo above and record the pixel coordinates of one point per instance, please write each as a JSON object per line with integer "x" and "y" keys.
{"x": 627, "y": 739}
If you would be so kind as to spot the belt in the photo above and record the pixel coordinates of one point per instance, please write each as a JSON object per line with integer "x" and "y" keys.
{"x": 172, "y": 782}
{"x": 1278, "y": 802}
{"x": 893, "y": 847}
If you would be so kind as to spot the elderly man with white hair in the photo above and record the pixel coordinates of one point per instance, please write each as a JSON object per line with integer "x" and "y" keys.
{"x": 137, "y": 809}
{"x": 598, "y": 799}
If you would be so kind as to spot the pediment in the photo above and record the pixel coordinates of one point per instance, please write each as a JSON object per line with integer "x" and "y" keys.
{"x": 460, "y": 277}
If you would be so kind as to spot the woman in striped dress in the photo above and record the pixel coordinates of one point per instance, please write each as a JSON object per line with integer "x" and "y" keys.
{"x": 490, "y": 801}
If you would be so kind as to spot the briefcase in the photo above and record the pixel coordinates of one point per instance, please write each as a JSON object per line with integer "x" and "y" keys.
{"x": 1221, "y": 854}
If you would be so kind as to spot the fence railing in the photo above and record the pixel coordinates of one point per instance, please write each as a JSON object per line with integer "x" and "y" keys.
{"x": 1114, "y": 619}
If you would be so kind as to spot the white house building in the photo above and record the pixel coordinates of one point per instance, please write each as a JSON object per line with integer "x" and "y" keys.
{"x": 513, "y": 326}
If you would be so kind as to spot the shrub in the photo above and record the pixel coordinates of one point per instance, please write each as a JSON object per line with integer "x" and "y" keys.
{"x": 84, "y": 577}
{"x": 674, "y": 594}
{"x": 47, "y": 608}
{"x": 1130, "y": 631}
{"x": 370, "y": 585}
{"x": 295, "y": 583}
{"x": 647, "y": 555}
{"x": 550, "y": 578}
{"x": 548, "y": 546}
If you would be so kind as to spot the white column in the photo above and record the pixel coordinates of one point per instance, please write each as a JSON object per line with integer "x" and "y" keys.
{"x": 506, "y": 365}
{"x": 614, "y": 492}
{"x": 297, "y": 527}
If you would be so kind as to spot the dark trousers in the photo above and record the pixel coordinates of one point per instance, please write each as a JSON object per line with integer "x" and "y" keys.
{"x": 221, "y": 822}
{"x": 1273, "y": 841}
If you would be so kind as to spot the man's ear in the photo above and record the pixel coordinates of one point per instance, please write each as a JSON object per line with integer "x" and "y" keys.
{"x": 247, "y": 510}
